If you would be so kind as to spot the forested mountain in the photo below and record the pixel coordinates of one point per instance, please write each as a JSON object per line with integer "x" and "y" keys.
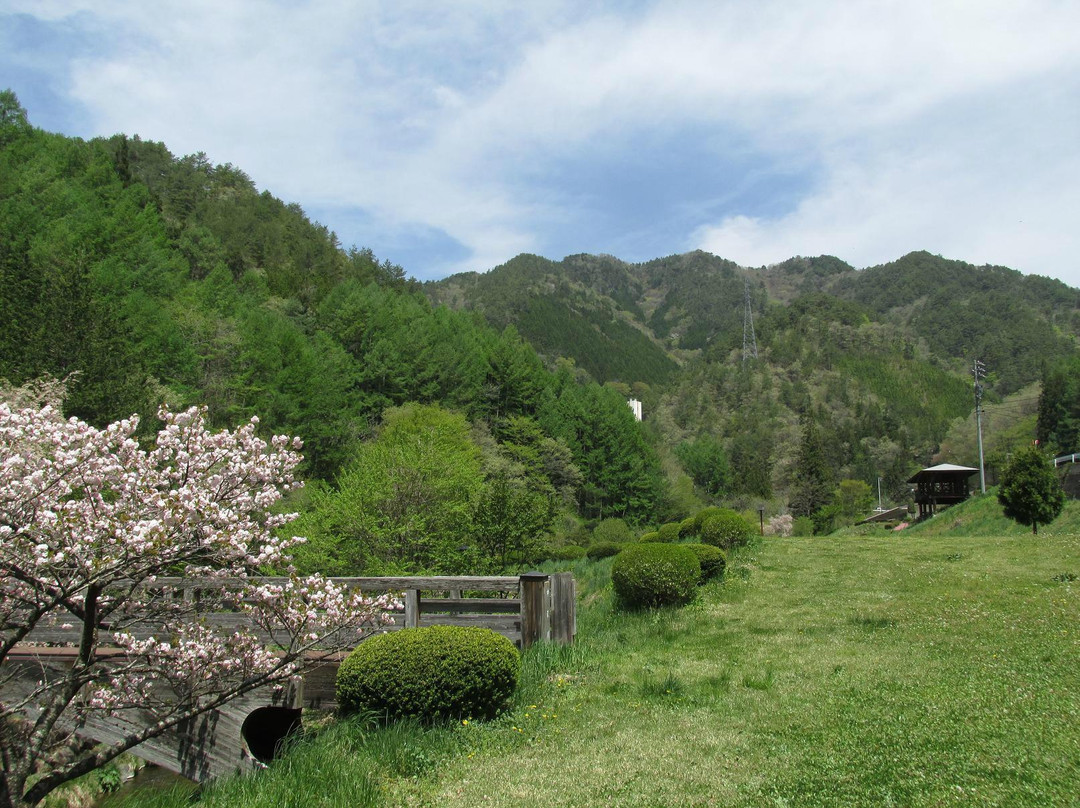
{"x": 450, "y": 424}
{"x": 158, "y": 279}
{"x": 877, "y": 358}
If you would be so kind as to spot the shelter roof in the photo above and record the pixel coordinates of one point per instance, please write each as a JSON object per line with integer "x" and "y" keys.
{"x": 941, "y": 468}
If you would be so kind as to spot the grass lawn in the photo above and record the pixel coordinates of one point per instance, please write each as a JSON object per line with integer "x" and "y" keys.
{"x": 904, "y": 669}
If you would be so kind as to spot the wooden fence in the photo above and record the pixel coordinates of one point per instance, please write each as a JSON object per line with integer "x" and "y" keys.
{"x": 528, "y": 608}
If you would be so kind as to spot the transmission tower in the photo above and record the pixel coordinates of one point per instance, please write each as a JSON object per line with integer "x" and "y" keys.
{"x": 749, "y": 338}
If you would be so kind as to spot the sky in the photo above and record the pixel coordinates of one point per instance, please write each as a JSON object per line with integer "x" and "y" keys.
{"x": 452, "y": 136}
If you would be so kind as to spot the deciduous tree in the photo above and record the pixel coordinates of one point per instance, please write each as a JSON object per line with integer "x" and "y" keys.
{"x": 89, "y": 520}
{"x": 1030, "y": 491}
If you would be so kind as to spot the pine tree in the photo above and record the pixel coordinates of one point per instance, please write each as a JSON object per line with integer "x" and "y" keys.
{"x": 813, "y": 487}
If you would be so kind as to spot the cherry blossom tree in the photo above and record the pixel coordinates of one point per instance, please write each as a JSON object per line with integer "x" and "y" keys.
{"x": 89, "y": 523}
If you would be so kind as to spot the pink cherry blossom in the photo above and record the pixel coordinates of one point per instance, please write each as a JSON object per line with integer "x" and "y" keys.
{"x": 93, "y": 527}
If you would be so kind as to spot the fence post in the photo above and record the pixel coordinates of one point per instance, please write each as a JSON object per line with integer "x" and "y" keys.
{"x": 535, "y": 608}
{"x": 412, "y": 608}
{"x": 563, "y": 607}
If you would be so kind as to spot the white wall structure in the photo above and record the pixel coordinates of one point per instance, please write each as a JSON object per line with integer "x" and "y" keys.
{"x": 635, "y": 405}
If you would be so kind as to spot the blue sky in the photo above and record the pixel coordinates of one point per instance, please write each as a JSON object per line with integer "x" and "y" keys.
{"x": 453, "y": 136}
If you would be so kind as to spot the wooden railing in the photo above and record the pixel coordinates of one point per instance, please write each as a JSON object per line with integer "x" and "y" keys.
{"x": 526, "y": 608}
{"x": 529, "y": 608}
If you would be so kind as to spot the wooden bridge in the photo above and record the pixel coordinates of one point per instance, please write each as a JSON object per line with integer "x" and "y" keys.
{"x": 534, "y": 607}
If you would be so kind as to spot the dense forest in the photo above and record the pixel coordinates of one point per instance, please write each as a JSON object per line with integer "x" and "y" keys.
{"x": 877, "y": 359}
{"x": 456, "y": 425}
{"x": 146, "y": 279}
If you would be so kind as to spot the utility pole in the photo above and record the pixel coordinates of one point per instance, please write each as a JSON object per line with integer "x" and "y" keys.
{"x": 979, "y": 371}
{"x": 749, "y": 338}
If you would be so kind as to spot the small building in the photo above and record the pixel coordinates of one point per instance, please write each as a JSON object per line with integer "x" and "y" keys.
{"x": 635, "y": 405}
{"x": 940, "y": 486}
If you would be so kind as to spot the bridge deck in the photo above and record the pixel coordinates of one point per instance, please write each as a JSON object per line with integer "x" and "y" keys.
{"x": 215, "y": 744}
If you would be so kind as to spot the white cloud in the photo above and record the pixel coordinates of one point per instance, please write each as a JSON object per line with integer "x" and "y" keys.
{"x": 446, "y": 117}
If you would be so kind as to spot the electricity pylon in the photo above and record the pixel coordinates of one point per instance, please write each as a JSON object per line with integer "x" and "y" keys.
{"x": 749, "y": 338}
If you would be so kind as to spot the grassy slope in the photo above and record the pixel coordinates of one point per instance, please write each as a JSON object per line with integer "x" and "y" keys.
{"x": 874, "y": 670}
{"x": 982, "y": 516}
{"x": 886, "y": 669}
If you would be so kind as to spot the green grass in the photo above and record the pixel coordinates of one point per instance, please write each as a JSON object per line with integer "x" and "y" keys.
{"x": 907, "y": 669}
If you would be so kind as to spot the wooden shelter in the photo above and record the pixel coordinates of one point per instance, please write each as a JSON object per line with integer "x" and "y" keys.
{"x": 941, "y": 486}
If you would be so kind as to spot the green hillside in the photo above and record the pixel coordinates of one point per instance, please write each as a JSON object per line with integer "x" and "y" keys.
{"x": 149, "y": 278}
{"x": 982, "y": 516}
{"x": 1012, "y": 322}
{"x": 583, "y": 308}
{"x": 145, "y": 278}
{"x": 879, "y": 358}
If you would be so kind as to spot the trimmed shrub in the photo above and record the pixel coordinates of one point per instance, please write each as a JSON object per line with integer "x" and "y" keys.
{"x": 688, "y": 528}
{"x": 431, "y": 673}
{"x": 704, "y": 514}
{"x": 725, "y": 530}
{"x": 712, "y": 560}
{"x": 612, "y": 530}
{"x": 802, "y": 526}
{"x": 646, "y": 575}
{"x": 604, "y": 549}
{"x": 568, "y": 552}
{"x": 653, "y": 536}
{"x": 669, "y": 532}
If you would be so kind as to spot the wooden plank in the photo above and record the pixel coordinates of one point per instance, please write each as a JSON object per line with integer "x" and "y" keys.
{"x": 563, "y": 607}
{"x": 439, "y": 583}
{"x": 535, "y": 608}
{"x": 412, "y": 608}
{"x": 501, "y": 621}
{"x": 470, "y": 605}
{"x": 434, "y": 583}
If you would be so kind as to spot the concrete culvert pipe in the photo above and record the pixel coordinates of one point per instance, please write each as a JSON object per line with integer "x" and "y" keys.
{"x": 265, "y": 728}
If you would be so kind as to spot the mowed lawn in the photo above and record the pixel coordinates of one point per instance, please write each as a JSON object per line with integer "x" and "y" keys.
{"x": 891, "y": 669}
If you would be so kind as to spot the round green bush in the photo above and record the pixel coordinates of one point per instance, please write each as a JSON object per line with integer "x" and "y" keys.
{"x": 705, "y": 513}
{"x": 802, "y": 526}
{"x": 612, "y": 530}
{"x": 655, "y": 574}
{"x": 652, "y": 536}
{"x": 431, "y": 673}
{"x": 579, "y": 536}
{"x": 711, "y": 559}
{"x": 604, "y": 549}
{"x": 669, "y": 532}
{"x": 725, "y": 530}
{"x": 568, "y": 552}
{"x": 688, "y": 528}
